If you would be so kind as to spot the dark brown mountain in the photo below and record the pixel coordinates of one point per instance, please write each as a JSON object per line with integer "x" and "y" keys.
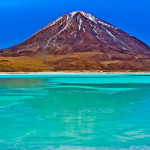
{"x": 80, "y": 41}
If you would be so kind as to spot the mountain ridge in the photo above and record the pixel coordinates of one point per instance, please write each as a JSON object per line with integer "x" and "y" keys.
{"x": 82, "y": 33}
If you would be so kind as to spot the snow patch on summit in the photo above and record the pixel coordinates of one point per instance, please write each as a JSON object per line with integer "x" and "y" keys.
{"x": 52, "y": 23}
{"x": 92, "y": 18}
{"x": 73, "y": 13}
{"x": 69, "y": 19}
{"x": 89, "y": 16}
{"x": 80, "y": 23}
{"x": 103, "y": 23}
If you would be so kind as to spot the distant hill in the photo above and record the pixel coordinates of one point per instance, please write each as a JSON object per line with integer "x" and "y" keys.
{"x": 77, "y": 41}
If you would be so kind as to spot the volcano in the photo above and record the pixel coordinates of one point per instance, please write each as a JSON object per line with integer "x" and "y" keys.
{"x": 79, "y": 41}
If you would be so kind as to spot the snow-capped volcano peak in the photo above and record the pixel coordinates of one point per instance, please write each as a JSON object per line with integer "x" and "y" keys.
{"x": 91, "y": 18}
{"x": 88, "y": 16}
{"x": 81, "y": 41}
{"x": 82, "y": 32}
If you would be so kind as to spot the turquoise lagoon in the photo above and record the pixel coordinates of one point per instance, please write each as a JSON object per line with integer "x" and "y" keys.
{"x": 75, "y": 112}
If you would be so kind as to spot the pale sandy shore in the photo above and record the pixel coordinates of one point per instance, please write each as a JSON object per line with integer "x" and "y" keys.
{"x": 72, "y": 72}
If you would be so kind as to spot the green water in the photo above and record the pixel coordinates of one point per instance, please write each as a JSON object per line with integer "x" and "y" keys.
{"x": 75, "y": 112}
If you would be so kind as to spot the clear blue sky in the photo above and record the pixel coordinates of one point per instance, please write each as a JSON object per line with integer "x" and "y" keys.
{"x": 19, "y": 19}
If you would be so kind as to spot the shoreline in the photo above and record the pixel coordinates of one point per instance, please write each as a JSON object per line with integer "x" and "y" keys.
{"x": 72, "y": 72}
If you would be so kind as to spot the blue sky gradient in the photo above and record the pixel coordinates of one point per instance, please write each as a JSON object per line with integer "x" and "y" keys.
{"x": 19, "y": 19}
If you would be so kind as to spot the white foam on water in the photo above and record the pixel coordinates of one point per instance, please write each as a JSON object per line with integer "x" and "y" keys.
{"x": 63, "y": 147}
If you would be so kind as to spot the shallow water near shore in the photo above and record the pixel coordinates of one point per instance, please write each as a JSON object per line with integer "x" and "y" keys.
{"x": 75, "y": 112}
